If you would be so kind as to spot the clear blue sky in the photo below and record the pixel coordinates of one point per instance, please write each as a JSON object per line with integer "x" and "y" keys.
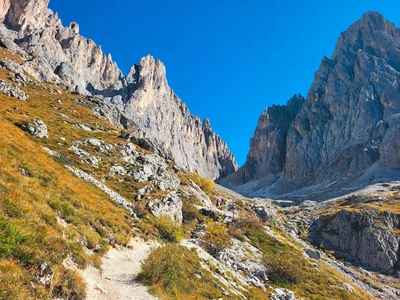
{"x": 228, "y": 60}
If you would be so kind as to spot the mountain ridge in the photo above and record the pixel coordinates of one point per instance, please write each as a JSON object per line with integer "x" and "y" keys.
{"x": 61, "y": 55}
{"x": 349, "y": 118}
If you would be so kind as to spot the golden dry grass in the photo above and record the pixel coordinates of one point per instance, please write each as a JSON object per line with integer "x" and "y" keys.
{"x": 46, "y": 213}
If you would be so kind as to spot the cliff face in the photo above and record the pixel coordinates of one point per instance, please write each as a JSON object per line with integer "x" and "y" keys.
{"x": 349, "y": 120}
{"x": 151, "y": 109}
{"x": 142, "y": 101}
{"x": 364, "y": 237}
{"x": 56, "y": 53}
{"x": 341, "y": 129}
{"x": 267, "y": 153}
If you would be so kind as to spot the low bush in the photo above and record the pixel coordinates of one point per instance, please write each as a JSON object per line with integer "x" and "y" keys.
{"x": 283, "y": 268}
{"x": 235, "y": 232}
{"x": 216, "y": 238}
{"x": 169, "y": 230}
{"x": 204, "y": 183}
{"x": 175, "y": 272}
{"x": 69, "y": 285}
{"x": 189, "y": 211}
{"x": 10, "y": 239}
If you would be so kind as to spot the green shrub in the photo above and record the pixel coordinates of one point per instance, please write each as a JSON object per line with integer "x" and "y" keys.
{"x": 169, "y": 230}
{"x": 284, "y": 268}
{"x": 10, "y": 239}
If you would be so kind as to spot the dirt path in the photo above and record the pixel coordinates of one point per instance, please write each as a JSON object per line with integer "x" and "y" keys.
{"x": 120, "y": 268}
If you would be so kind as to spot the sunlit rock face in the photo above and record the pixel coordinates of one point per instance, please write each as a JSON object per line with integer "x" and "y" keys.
{"x": 142, "y": 101}
{"x": 347, "y": 125}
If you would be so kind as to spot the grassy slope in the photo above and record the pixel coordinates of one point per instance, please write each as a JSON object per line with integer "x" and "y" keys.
{"x": 30, "y": 205}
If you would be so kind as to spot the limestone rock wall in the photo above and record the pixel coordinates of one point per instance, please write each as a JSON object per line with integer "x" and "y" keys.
{"x": 366, "y": 237}
{"x": 141, "y": 101}
{"x": 267, "y": 153}
{"x": 348, "y": 123}
{"x": 155, "y": 111}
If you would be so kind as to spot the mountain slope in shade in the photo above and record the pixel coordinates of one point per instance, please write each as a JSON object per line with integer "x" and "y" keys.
{"x": 348, "y": 127}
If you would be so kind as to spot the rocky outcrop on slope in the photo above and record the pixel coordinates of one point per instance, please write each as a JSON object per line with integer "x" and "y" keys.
{"x": 366, "y": 237}
{"x": 350, "y": 117}
{"x": 36, "y": 127}
{"x": 142, "y": 101}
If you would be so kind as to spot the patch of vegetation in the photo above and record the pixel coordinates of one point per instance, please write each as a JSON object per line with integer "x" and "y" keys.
{"x": 69, "y": 285}
{"x": 204, "y": 183}
{"x": 175, "y": 272}
{"x": 288, "y": 267}
{"x": 15, "y": 283}
{"x": 216, "y": 238}
{"x": 46, "y": 213}
{"x": 169, "y": 230}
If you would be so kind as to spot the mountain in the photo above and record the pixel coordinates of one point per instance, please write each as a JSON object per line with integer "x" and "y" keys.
{"x": 141, "y": 101}
{"x": 345, "y": 134}
{"x": 90, "y": 211}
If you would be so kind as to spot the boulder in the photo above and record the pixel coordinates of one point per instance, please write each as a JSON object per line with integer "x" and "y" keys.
{"x": 169, "y": 205}
{"x": 282, "y": 294}
{"x": 313, "y": 253}
{"x": 36, "y": 127}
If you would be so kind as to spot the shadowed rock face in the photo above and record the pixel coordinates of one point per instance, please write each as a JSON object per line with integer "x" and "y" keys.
{"x": 349, "y": 120}
{"x": 267, "y": 147}
{"x": 142, "y": 101}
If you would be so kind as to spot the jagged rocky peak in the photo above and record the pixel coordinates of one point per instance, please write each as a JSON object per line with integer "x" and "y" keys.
{"x": 339, "y": 131}
{"x": 370, "y": 34}
{"x": 142, "y": 101}
{"x": 153, "y": 110}
{"x": 347, "y": 127}
{"x": 19, "y": 14}
{"x": 59, "y": 54}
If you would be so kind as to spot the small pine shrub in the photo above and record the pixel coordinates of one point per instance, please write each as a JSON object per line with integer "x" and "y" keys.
{"x": 169, "y": 230}
{"x": 10, "y": 239}
{"x": 216, "y": 238}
